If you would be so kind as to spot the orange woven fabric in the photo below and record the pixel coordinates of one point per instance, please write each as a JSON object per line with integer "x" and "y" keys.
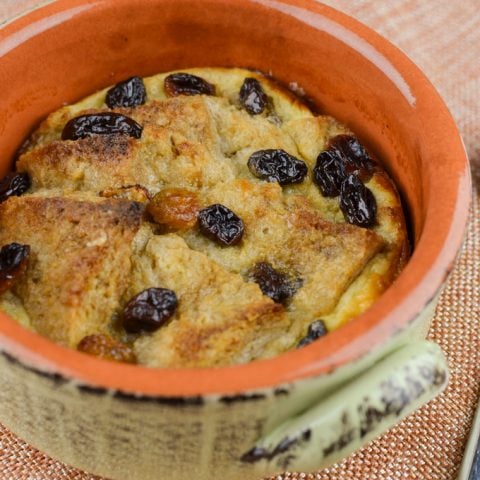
{"x": 443, "y": 38}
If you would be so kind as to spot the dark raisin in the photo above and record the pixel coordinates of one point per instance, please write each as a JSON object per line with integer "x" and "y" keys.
{"x": 149, "y": 310}
{"x": 345, "y": 155}
{"x": 220, "y": 224}
{"x": 277, "y": 166}
{"x": 274, "y": 284}
{"x": 14, "y": 184}
{"x": 104, "y": 346}
{"x": 129, "y": 93}
{"x": 104, "y": 123}
{"x": 357, "y": 202}
{"x": 187, "y": 84}
{"x": 13, "y": 263}
{"x": 329, "y": 173}
{"x": 316, "y": 330}
{"x": 252, "y": 96}
{"x": 354, "y": 155}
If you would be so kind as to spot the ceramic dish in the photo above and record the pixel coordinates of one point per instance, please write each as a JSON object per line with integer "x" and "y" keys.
{"x": 301, "y": 410}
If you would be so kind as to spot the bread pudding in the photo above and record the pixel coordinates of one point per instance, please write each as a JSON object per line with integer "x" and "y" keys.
{"x": 196, "y": 218}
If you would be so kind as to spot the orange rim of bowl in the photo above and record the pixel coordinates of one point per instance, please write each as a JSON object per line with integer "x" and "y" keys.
{"x": 415, "y": 288}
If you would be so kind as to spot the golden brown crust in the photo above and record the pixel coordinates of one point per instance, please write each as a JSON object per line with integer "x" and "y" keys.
{"x": 395, "y": 215}
{"x": 200, "y": 144}
{"x": 88, "y": 164}
{"x": 288, "y": 233}
{"x": 79, "y": 262}
{"x": 134, "y": 193}
{"x": 220, "y": 317}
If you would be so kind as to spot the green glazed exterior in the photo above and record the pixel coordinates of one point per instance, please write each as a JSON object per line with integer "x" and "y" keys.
{"x": 301, "y": 426}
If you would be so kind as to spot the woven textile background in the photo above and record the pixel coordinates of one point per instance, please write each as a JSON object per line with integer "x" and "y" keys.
{"x": 443, "y": 38}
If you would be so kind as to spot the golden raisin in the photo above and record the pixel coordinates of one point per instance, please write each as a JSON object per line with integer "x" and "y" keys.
{"x": 134, "y": 193}
{"x": 175, "y": 208}
{"x": 106, "y": 347}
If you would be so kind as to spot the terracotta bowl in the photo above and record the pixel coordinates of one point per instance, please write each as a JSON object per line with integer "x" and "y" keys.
{"x": 302, "y": 409}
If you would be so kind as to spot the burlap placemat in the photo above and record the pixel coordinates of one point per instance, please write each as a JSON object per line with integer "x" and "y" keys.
{"x": 443, "y": 38}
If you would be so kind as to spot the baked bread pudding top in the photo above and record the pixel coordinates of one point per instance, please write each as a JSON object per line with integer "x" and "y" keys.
{"x": 197, "y": 218}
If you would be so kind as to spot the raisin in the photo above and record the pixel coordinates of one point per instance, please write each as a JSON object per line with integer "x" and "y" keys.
{"x": 354, "y": 155}
{"x": 252, "y": 96}
{"x": 220, "y": 224}
{"x": 345, "y": 155}
{"x": 14, "y": 184}
{"x": 129, "y": 93}
{"x": 187, "y": 84}
{"x": 274, "y": 284}
{"x": 149, "y": 310}
{"x": 134, "y": 193}
{"x": 277, "y": 166}
{"x": 329, "y": 173}
{"x": 106, "y": 347}
{"x": 357, "y": 202}
{"x": 176, "y": 208}
{"x": 13, "y": 263}
{"x": 104, "y": 123}
{"x": 316, "y": 330}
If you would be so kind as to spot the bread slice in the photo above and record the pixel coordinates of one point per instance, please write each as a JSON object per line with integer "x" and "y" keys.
{"x": 79, "y": 264}
{"x": 221, "y": 319}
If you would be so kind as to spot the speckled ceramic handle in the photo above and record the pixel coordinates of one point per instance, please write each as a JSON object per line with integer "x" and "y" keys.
{"x": 357, "y": 412}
